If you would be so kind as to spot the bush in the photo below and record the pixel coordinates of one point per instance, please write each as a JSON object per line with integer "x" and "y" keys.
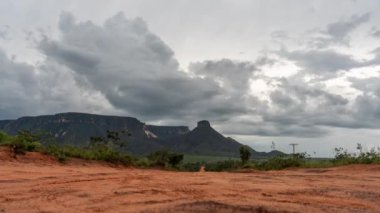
{"x": 191, "y": 167}
{"x": 56, "y": 151}
{"x": 159, "y": 158}
{"x": 278, "y": 163}
{"x": 372, "y": 156}
{"x": 226, "y": 165}
{"x": 62, "y": 158}
{"x": 99, "y": 154}
{"x": 143, "y": 162}
{"x": 3, "y": 138}
{"x": 342, "y": 157}
{"x": 163, "y": 158}
{"x": 25, "y": 141}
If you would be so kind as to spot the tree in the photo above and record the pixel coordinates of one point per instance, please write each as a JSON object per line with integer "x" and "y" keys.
{"x": 244, "y": 154}
{"x": 163, "y": 157}
{"x": 112, "y": 140}
{"x": 159, "y": 158}
{"x": 175, "y": 159}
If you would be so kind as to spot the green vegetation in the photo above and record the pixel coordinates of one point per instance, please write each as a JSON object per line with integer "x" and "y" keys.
{"x": 342, "y": 157}
{"x": 299, "y": 160}
{"x": 191, "y": 166}
{"x": 104, "y": 149}
{"x": 99, "y": 149}
{"x": 302, "y": 160}
{"x": 245, "y": 154}
{"x": 206, "y": 158}
{"x": 92, "y": 153}
{"x": 277, "y": 163}
{"x": 165, "y": 158}
{"x": 23, "y": 142}
{"x": 228, "y": 165}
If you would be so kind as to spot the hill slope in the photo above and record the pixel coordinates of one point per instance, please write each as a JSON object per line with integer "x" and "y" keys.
{"x": 3, "y": 123}
{"x": 204, "y": 140}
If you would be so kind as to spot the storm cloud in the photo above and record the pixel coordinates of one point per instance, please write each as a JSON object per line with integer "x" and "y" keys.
{"x": 321, "y": 62}
{"x": 338, "y": 33}
{"x": 46, "y": 88}
{"x": 137, "y": 72}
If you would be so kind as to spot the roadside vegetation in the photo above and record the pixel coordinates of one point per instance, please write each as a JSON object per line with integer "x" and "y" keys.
{"x": 106, "y": 149}
{"x": 298, "y": 160}
{"x": 101, "y": 149}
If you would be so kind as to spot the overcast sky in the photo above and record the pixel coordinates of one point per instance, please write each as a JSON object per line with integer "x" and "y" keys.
{"x": 259, "y": 71}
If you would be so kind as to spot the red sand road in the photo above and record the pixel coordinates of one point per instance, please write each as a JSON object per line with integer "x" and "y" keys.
{"x": 37, "y": 183}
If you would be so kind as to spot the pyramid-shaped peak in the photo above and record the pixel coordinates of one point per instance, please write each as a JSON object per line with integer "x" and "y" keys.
{"x": 203, "y": 123}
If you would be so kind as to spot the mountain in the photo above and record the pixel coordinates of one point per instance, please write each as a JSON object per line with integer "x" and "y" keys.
{"x": 3, "y": 123}
{"x": 77, "y": 128}
{"x": 165, "y": 132}
{"x": 204, "y": 140}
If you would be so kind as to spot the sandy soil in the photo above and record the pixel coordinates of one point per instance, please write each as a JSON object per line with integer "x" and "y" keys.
{"x": 37, "y": 183}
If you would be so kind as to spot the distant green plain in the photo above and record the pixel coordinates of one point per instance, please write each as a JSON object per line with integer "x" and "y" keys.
{"x": 206, "y": 158}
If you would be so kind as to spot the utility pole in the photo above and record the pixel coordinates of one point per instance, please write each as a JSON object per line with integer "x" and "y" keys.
{"x": 273, "y": 146}
{"x": 294, "y": 147}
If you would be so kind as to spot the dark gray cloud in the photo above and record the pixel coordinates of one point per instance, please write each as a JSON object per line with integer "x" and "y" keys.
{"x": 304, "y": 106}
{"x": 17, "y": 85}
{"x": 367, "y": 113}
{"x": 367, "y": 105}
{"x": 273, "y": 129}
{"x": 308, "y": 110}
{"x": 30, "y": 90}
{"x": 232, "y": 74}
{"x": 375, "y": 32}
{"x": 338, "y": 33}
{"x": 296, "y": 109}
{"x": 376, "y": 58}
{"x": 304, "y": 111}
{"x": 4, "y": 32}
{"x": 367, "y": 85}
{"x": 137, "y": 72}
{"x": 321, "y": 62}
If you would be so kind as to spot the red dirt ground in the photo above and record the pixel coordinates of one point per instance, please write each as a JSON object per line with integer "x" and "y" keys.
{"x": 38, "y": 183}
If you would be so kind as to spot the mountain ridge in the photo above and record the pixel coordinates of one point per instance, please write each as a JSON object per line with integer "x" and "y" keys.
{"x": 74, "y": 128}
